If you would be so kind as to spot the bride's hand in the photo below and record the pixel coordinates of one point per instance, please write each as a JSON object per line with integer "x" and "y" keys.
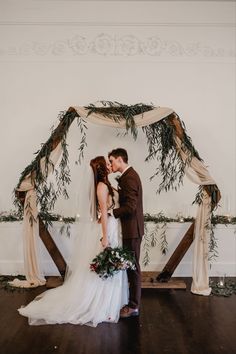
{"x": 104, "y": 242}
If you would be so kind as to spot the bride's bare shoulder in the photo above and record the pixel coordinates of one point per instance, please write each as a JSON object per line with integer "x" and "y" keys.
{"x": 102, "y": 192}
{"x": 101, "y": 187}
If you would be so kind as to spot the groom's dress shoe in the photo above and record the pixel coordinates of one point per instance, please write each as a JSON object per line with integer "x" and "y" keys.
{"x": 127, "y": 312}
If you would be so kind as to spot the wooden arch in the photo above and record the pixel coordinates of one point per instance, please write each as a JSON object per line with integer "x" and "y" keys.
{"x": 168, "y": 270}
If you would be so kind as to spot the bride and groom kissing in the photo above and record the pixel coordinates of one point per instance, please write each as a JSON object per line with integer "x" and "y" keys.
{"x": 84, "y": 298}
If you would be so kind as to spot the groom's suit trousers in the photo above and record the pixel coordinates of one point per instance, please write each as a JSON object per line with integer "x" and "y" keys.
{"x": 130, "y": 213}
{"x": 134, "y": 276}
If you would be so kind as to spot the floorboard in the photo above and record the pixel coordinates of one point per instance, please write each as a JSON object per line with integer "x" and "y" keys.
{"x": 171, "y": 321}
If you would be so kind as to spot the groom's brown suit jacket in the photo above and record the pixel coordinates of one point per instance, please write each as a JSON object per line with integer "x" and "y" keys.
{"x": 130, "y": 211}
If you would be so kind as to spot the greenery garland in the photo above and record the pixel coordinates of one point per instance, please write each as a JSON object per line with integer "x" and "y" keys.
{"x": 151, "y": 239}
{"x": 161, "y": 145}
{"x": 83, "y": 144}
{"x": 160, "y": 140}
{"x": 214, "y": 220}
{"x": 155, "y": 218}
{"x": 47, "y": 194}
{"x": 159, "y": 233}
{"x": 13, "y": 216}
{"x": 10, "y": 216}
{"x": 161, "y": 137}
{"x": 118, "y": 112}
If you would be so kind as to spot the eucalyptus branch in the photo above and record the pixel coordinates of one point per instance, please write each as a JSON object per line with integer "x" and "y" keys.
{"x": 146, "y": 246}
{"x": 213, "y": 246}
{"x": 161, "y": 141}
{"x": 161, "y": 146}
{"x": 46, "y": 192}
{"x": 65, "y": 228}
{"x": 156, "y": 236}
{"x": 83, "y": 127}
{"x": 163, "y": 240}
{"x": 199, "y": 196}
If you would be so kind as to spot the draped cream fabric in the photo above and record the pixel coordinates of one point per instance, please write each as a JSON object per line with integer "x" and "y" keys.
{"x": 195, "y": 171}
{"x": 198, "y": 173}
{"x": 33, "y": 274}
{"x": 30, "y": 229}
{"x": 141, "y": 120}
{"x": 200, "y": 283}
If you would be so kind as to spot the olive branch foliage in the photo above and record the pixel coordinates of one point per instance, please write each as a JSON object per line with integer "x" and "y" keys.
{"x": 46, "y": 191}
{"x": 156, "y": 236}
{"x": 118, "y": 112}
{"x": 162, "y": 148}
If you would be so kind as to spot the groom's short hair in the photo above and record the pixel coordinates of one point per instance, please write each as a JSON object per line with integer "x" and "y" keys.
{"x": 119, "y": 153}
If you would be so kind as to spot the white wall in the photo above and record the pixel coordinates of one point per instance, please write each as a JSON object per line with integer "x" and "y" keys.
{"x": 179, "y": 54}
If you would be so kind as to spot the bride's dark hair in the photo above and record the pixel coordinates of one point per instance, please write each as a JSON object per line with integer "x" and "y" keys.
{"x": 99, "y": 167}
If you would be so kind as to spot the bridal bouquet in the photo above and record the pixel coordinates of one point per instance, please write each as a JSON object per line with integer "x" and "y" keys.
{"x": 111, "y": 260}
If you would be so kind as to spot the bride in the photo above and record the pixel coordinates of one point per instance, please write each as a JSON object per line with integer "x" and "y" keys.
{"x": 84, "y": 298}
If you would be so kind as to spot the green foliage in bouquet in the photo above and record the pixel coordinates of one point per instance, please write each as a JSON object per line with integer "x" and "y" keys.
{"x": 111, "y": 261}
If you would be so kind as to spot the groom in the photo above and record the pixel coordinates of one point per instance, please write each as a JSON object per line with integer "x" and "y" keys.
{"x": 130, "y": 213}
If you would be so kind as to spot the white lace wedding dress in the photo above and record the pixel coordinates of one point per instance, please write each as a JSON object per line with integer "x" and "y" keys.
{"x": 84, "y": 298}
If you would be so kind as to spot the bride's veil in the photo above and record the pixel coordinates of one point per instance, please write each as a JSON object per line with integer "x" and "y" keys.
{"x": 86, "y": 238}
{"x": 83, "y": 298}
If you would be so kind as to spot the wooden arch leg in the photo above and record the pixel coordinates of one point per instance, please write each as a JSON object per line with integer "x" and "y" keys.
{"x": 52, "y": 248}
{"x": 50, "y": 245}
{"x": 177, "y": 256}
{"x": 185, "y": 243}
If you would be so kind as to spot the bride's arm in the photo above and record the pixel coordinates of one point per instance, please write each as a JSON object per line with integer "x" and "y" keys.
{"x": 102, "y": 194}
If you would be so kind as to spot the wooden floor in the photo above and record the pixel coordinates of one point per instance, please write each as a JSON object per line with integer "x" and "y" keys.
{"x": 171, "y": 321}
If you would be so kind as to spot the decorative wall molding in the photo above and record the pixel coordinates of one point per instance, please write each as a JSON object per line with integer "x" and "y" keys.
{"x": 110, "y": 45}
